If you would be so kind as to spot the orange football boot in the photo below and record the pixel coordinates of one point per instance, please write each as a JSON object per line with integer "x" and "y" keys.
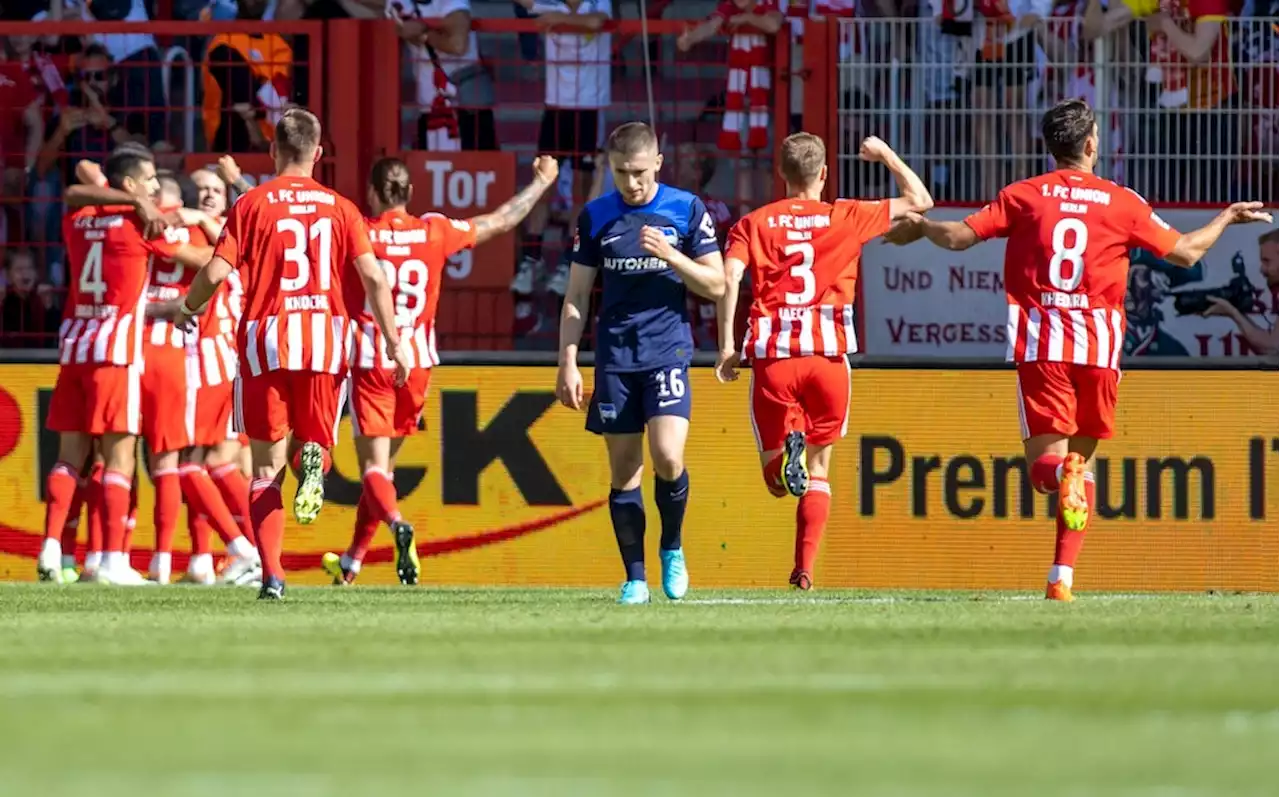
{"x": 1057, "y": 591}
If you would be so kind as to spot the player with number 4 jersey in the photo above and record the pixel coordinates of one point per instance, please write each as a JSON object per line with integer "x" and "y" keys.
{"x": 802, "y": 255}
{"x": 294, "y": 242}
{"x": 413, "y": 252}
{"x": 1066, "y": 270}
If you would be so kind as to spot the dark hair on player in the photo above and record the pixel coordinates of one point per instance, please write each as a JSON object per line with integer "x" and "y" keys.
{"x": 631, "y": 138}
{"x": 13, "y": 255}
{"x": 1269, "y": 237}
{"x": 803, "y": 156}
{"x": 124, "y": 164}
{"x": 134, "y": 148}
{"x": 391, "y": 181}
{"x": 297, "y": 135}
{"x": 1065, "y": 127}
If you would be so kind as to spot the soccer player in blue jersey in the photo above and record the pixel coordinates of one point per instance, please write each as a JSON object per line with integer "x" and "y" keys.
{"x": 648, "y": 242}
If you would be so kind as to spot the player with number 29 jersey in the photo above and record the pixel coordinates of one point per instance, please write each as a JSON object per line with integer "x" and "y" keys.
{"x": 413, "y": 253}
{"x": 1066, "y": 270}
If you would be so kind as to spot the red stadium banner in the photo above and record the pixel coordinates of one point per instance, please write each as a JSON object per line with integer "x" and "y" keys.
{"x": 475, "y": 302}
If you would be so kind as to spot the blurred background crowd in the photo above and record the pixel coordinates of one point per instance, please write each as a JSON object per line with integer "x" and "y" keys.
{"x": 1187, "y": 89}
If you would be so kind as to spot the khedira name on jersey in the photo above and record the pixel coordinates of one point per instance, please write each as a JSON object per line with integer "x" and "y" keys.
{"x": 300, "y": 202}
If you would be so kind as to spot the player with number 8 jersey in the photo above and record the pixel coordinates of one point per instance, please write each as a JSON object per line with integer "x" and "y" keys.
{"x": 802, "y": 255}
{"x": 1066, "y": 269}
{"x": 294, "y": 243}
{"x": 413, "y": 252}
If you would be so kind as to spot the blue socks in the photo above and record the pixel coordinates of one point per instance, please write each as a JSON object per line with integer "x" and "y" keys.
{"x": 671, "y": 497}
{"x": 626, "y": 508}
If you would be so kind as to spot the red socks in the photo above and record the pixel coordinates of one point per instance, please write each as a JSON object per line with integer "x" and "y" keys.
{"x": 71, "y": 527}
{"x": 366, "y": 527}
{"x": 811, "y": 521}
{"x": 1068, "y": 543}
{"x": 380, "y": 493}
{"x": 168, "y": 504}
{"x": 115, "y": 509}
{"x": 234, "y": 489}
{"x": 266, "y": 509}
{"x": 60, "y": 493}
{"x": 204, "y": 499}
{"x": 198, "y": 526}
{"x": 1046, "y": 473}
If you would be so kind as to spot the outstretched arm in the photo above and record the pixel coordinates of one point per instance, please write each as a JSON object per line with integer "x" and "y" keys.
{"x": 954, "y": 235}
{"x": 490, "y": 225}
{"x": 1192, "y": 246}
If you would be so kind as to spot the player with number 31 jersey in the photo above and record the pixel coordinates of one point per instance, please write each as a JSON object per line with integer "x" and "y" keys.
{"x": 1066, "y": 268}
{"x": 300, "y": 248}
{"x": 412, "y": 252}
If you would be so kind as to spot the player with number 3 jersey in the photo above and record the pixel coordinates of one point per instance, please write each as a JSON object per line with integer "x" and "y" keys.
{"x": 294, "y": 242}
{"x": 412, "y": 251}
{"x": 802, "y": 254}
{"x": 1066, "y": 270}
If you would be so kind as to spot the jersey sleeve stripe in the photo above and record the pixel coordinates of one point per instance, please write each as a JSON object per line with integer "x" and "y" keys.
{"x": 1057, "y": 340}
{"x": 1012, "y": 324}
{"x": 850, "y": 333}
{"x": 1032, "y": 352}
{"x": 1080, "y": 338}
{"x": 251, "y": 347}
{"x": 827, "y": 328}
{"x": 293, "y": 342}
{"x": 1103, "y": 356}
{"x": 339, "y": 338}
{"x": 1117, "y": 340}
{"x": 318, "y": 338}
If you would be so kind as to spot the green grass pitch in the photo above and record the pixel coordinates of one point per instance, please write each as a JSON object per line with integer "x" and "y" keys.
{"x": 424, "y": 691}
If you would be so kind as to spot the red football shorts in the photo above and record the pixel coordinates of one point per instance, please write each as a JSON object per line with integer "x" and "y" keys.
{"x": 809, "y": 394}
{"x": 96, "y": 399}
{"x": 380, "y": 409}
{"x": 273, "y": 404}
{"x": 213, "y": 414}
{"x": 168, "y": 399}
{"x": 1067, "y": 399}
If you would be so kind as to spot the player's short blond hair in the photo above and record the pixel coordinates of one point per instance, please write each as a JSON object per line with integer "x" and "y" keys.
{"x": 631, "y": 139}
{"x": 297, "y": 135}
{"x": 803, "y": 156}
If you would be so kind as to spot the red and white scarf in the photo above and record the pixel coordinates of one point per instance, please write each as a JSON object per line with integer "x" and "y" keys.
{"x": 746, "y": 98}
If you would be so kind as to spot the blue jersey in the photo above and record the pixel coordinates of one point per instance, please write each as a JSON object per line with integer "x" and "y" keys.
{"x": 644, "y": 319}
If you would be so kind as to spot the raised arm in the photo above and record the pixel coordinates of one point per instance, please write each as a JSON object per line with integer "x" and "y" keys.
{"x": 915, "y": 197}
{"x": 452, "y": 34}
{"x": 953, "y": 235}
{"x": 546, "y": 169}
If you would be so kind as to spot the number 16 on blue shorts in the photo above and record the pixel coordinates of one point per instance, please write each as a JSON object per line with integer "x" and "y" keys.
{"x": 624, "y": 402}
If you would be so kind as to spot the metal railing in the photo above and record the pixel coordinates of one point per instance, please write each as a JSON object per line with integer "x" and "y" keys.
{"x": 963, "y": 106}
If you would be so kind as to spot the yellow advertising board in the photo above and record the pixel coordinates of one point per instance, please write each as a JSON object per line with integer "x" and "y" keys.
{"x": 506, "y": 488}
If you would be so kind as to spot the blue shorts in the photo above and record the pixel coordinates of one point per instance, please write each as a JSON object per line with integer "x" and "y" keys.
{"x": 624, "y": 402}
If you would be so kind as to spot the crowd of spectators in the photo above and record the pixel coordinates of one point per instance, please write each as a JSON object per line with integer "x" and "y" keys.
{"x": 953, "y": 83}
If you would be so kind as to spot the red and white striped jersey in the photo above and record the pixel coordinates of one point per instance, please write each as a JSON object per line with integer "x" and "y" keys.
{"x": 109, "y": 261}
{"x": 294, "y": 242}
{"x": 413, "y": 252}
{"x": 802, "y": 256}
{"x": 1066, "y": 265}
{"x": 169, "y": 281}
{"x": 216, "y": 345}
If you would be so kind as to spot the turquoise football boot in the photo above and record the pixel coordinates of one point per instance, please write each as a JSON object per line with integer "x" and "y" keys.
{"x": 675, "y": 576}
{"x": 634, "y": 593}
